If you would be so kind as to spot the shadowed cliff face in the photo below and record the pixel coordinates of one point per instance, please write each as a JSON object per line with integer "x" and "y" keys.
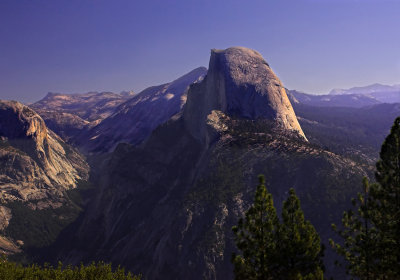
{"x": 239, "y": 83}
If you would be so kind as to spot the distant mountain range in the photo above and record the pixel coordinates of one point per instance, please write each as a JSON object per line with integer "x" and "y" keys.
{"x": 354, "y": 97}
{"x": 366, "y": 90}
{"x": 91, "y": 106}
{"x": 350, "y": 100}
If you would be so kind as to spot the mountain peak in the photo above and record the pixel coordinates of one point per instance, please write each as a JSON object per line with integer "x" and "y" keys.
{"x": 239, "y": 83}
{"x": 19, "y": 121}
{"x": 238, "y": 52}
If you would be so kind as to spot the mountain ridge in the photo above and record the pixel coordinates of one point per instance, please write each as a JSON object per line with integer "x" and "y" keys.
{"x": 134, "y": 120}
{"x": 373, "y": 88}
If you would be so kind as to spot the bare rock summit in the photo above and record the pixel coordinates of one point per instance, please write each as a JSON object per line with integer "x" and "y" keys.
{"x": 239, "y": 83}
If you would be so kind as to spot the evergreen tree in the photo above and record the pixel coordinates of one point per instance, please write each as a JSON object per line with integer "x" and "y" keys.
{"x": 387, "y": 203}
{"x": 299, "y": 244}
{"x": 359, "y": 248}
{"x": 255, "y": 237}
{"x": 372, "y": 234}
{"x": 94, "y": 271}
{"x": 271, "y": 250}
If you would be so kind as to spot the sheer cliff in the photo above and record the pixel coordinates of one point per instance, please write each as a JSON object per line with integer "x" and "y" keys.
{"x": 37, "y": 167}
{"x": 239, "y": 83}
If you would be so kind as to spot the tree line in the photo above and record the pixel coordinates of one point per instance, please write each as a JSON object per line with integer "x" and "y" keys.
{"x": 93, "y": 271}
{"x": 290, "y": 248}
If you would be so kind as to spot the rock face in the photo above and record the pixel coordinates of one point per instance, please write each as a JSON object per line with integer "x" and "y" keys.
{"x": 68, "y": 126}
{"x": 135, "y": 119}
{"x": 166, "y": 208}
{"x": 36, "y": 170}
{"x": 239, "y": 83}
{"x": 37, "y": 164}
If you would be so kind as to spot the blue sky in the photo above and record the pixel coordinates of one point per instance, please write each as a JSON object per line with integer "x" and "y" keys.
{"x": 95, "y": 45}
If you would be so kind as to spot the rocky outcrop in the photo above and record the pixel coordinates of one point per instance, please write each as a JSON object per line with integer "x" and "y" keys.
{"x": 37, "y": 169}
{"x": 7, "y": 246}
{"x": 36, "y": 163}
{"x": 135, "y": 119}
{"x": 239, "y": 83}
{"x": 5, "y": 217}
{"x": 68, "y": 126}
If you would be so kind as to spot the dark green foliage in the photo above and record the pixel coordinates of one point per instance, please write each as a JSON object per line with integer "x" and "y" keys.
{"x": 255, "y": 237}
{"x": 223, "y": 183}
{"x": 386, "y": 199}
{"x": 371, "y": 235}
{"x": 39, "y": 228}
{"x": 94, "y": 271}
{"x": 299, "y": 244}
{"x": 274, "y": 250}
{"x": 359, "y": 238}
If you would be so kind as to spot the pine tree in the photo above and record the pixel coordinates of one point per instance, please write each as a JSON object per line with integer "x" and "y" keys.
{"x": 387, "y": 202}
{"x": 299, "y": 244}
{"x": 271, "y": 250}
{"x": 359, "y": 248}
{"x": 371, "y": 235}
{"x": 255, "y": 237}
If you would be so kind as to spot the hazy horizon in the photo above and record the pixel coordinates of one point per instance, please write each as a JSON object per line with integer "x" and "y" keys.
{"x": 76, "y": 47}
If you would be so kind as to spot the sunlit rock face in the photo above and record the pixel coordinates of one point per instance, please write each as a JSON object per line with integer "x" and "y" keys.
{"x": 37, "y": 169}
{"x": 36, "y": 163}
{"x": 239, "y": 83}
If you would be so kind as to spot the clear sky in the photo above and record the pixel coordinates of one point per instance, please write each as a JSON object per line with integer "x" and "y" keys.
{"x": 95, "y": 45}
